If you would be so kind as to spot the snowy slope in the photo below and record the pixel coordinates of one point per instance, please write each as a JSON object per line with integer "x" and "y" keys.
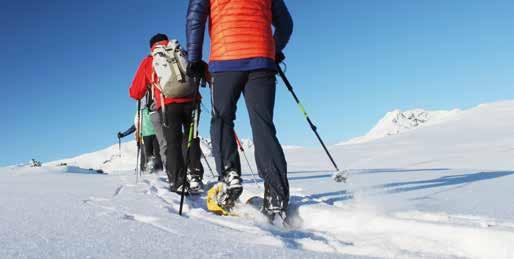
{"x": 481, "y": 137}
{"x": 110, "y": 159}
{"x": 440, "y": 191}
{"x": 397, "y": 122}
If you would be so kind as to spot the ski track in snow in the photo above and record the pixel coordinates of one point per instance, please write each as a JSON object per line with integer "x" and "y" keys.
{"x": 249, "y": 221}
{"x": 349, "y": 229}
{"x": 149, "y": 220}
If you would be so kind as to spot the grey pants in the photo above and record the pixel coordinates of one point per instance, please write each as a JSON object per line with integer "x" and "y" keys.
{"x": 159, "y": 133}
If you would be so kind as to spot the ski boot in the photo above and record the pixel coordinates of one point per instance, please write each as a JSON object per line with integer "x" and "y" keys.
{"x": 274, "y": 208}
{"x": 233, "y": 184}
{"x": 177, "y": 185}
{"x": 195, "y": 183}
{"x": 276, "y": 217}
{"x": 150, "y": 165}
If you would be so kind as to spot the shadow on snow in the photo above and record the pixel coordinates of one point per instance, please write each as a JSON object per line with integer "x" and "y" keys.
{"x": 450, "y": 180}
{"x": 79, "y": 170}
{"x": 318, "y": 174}
{"x": 398, "y": 170}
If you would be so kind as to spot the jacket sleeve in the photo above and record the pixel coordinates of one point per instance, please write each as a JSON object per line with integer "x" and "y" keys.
{"x": 283, "y": 24}
{"x": 141, "y": 81}
{"x": 197, "y": 14}
{"x": 129, "y": 131}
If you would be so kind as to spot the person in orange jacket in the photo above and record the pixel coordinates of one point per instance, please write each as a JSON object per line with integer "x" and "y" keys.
{"x": 243, "y": 59}
{"x": 178, "y": 118}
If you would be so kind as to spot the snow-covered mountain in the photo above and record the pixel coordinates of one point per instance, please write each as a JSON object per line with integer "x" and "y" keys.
{"x": 397, "y": 122}
{"x": 441, "y": 190}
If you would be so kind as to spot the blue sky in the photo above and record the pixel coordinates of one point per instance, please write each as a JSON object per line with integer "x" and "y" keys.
{"x": 67, "y": 65}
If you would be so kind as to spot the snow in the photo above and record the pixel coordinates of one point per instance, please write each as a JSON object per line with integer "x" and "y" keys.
{"x": 441, "y": 190}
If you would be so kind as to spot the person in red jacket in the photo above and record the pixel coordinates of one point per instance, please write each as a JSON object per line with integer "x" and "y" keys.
{"x": 244, "y": 54}
{"x": 178, "y": 118}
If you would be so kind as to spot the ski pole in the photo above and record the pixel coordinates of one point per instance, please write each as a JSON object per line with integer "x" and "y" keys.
{"x": 246, "y": 158}
{"x": 119, "y": 145}
{"x": 212, "y": 172}
{"x": 243, "y": 151}
{"x": 184, "y": 179}
{"x": 207, "y": 162}
{"x": 141, "y": 161}
{"x": 192, "y": 136}
{"x": 138, "y": 142}
{"x": 302, "y": 109}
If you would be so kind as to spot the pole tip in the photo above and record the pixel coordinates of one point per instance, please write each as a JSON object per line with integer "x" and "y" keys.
{"x": 340, "y": 176}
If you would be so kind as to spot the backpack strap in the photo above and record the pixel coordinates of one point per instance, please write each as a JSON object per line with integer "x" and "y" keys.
{"x": 173, "y": 60}
{"x": 176, "y": 67}
{"x": 163, "y": 106}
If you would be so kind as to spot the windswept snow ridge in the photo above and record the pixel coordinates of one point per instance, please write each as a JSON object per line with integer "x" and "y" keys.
{"x": 397, "y": 122}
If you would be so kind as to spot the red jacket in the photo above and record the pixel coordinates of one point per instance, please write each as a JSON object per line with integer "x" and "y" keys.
{"x": 143, "y": 81}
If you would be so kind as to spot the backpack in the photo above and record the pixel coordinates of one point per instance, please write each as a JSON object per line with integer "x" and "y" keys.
{"x": 169, "y": 65}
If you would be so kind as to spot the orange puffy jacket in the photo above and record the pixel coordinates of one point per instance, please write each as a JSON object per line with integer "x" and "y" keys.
{"x": 241, "y": 32}
{"x": 241, "y": 29}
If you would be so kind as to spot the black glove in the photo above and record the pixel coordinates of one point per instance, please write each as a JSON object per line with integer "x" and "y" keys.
{"x": 120, "y": 135}
{"x": 196, "y": 69}
{"x": 279, "y": 57}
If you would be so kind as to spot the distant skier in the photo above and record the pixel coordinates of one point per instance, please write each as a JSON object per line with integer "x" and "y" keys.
{"x": 34, "y": 163}
{"x": 151, "y": 145}
{"x": 150, "y": 157}
{"x": 127, "y": 132}
{"x": 243, "y": 57}
{"x": 178, "y": 118}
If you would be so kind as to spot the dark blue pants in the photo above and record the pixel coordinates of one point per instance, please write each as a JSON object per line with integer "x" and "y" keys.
{"x": 258, "y": 88}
